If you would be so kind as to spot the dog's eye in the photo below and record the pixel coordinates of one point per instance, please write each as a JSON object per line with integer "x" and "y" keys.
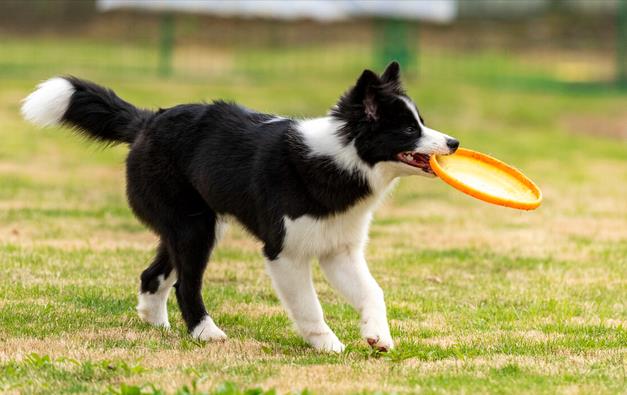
{"x": 410, "y": 130}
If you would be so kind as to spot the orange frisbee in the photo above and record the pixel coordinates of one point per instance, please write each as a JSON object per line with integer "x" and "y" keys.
{"x": 486, "y": 178}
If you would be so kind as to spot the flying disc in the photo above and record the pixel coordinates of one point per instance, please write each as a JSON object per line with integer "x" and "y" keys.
{"x": 486, "y": 178}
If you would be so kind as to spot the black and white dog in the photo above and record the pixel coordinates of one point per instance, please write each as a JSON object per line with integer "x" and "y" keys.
{"x": 305, "y": 188}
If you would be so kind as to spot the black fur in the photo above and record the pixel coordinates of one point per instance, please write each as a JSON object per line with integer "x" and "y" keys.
{"x": 101, "y": 115}
{"x": 190, "y": 164}
{"x": 376, "y": 118}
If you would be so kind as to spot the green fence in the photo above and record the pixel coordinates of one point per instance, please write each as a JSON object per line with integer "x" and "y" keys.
{"x": 546, "y": 51}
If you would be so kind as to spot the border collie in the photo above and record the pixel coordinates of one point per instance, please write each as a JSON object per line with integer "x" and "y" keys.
{"x": 305, "y": 188}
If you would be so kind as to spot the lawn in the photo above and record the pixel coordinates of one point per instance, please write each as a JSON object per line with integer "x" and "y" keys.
{"x": 481, "y": 299}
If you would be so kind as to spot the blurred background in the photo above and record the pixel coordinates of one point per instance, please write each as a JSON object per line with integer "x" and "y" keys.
{"x": 540, "y": 84}
{"x": 547, "y": 44}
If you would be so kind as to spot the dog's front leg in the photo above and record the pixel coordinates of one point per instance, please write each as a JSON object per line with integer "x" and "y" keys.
{"x": 293, "y": 283}
{"x": 348, "y": 272}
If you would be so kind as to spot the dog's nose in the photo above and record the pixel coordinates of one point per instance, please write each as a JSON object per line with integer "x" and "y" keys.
{"x": 453, "y": 144}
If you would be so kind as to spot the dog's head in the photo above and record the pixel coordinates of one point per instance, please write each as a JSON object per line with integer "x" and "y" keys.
{"x": 385, "y": 125}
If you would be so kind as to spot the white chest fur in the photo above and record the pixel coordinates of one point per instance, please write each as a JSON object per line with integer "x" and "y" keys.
{"x": 307, "y": 237}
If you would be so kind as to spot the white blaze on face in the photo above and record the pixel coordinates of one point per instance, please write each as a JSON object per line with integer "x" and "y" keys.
{"x": 431, "y": 141}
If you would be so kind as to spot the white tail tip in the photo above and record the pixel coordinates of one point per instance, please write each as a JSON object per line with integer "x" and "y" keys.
{"x": 47, "y": 105}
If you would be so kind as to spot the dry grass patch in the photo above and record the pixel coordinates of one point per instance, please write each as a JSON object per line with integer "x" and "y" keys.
{"x": 598, "y": 125}
{"x": 333, "y": 379}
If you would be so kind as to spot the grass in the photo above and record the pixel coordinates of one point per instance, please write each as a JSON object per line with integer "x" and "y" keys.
{"x": 481, "y": 299}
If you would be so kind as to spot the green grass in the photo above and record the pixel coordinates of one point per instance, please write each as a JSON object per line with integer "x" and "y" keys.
{"x": 481, "y": 299}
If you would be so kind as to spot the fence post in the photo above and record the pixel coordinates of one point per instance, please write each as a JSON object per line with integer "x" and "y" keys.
{"x": 621, "y": 43}
{"x": 166, "y": 44}
{"x": 394, "y": 42}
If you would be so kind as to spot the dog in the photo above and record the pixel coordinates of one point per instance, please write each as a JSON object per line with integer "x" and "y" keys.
{"x": 305, "y": 188}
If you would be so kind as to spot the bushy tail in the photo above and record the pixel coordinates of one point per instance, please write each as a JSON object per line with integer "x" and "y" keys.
{"x": 92, "y": 110}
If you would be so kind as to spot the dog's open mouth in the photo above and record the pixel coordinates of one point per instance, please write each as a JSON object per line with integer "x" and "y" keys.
{"x": 414, "y": 159}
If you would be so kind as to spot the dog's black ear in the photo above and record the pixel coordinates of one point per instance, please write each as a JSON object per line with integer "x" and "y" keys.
{"x": 392, "y": 72}
{"x": 365, "y": 92}
{"x": 391, "y": 77}
{"x": 361, "y": 101}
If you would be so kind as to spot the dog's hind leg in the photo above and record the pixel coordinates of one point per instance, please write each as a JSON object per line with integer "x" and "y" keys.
{"x": 190, "y": 246}
{"x": 293, "y": 283}
{"x": 156, "y": 282}
{"x": 162, "y": 198}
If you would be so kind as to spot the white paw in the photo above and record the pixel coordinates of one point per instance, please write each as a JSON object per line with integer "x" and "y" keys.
{"x": 207, "y": 330}
{"x": 326, "y": 342}
{"x": 377, "y": 335}
{"x": 152, "y": 308}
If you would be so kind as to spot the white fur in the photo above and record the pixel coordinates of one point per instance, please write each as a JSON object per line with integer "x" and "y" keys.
{"x": 292, "y": 281}
{"x": 274, "y": 120}
{"x": 321, "y": 135}
{"x": 431, "y": 141}
{"x": 207, "y": 330}
{"x": 348, "y": 272}
{"x": 47, "y": 105}
{"x": 328, "y": 239}
{"x": 153, "y": 307}
{"x": 308, "y": 237}
{"x": 338, "y": 241}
